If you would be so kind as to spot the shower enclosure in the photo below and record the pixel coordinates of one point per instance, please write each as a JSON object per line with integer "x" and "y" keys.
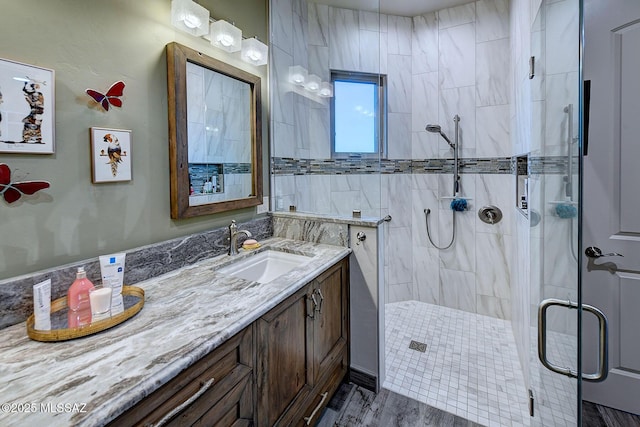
{"x": 468, "y": 60}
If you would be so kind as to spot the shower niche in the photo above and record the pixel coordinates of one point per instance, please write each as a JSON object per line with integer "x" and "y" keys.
{"x": 522, "y": 184}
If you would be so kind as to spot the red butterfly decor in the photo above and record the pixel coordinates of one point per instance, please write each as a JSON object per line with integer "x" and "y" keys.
{"x": 112, "y": 97}
{"x": 12, "y": 191}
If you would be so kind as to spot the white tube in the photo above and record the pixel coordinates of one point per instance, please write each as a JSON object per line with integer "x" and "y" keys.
{"x": 42, "y": 305}
{"x": 112, "y": 271}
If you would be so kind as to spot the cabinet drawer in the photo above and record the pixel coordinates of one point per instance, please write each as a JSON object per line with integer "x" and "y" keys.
{"x": 323, "y": 392}
{"x": 199, "y": 388}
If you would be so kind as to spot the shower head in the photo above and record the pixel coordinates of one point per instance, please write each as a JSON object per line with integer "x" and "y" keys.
{"x": 438, "y": 129}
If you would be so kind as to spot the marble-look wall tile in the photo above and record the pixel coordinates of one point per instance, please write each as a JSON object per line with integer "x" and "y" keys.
{"x": 461, "y": 256}
{"x": 492, "y": 20}
{"x": 400, "y": 200}
{"x": 344, "y": 40}
{"x": 492, "y": 271}
{"x": 300, "y": 40}
{"x": 458, "y": 15}
{"x": 424, "y": 44}
{"x": 400, "y": 256}
{"x": 457, "y": 56}
{"x": 424, "y": 101}
{"x": 425, "y": 145}
{"x": 284, "y": 191}
{"x": 496, "y": 190}
{"x": 283, "y": 140}
{"x": 369, "y": 51}
{"x": 372, "y": 21}
{"x": 399, "y": 33}
{"x": 424, "y": 195}
{"x": 561, "y": 41}
{"x": 281, "y": 97}
{"x": 457, "y": 290}
{"x": 399, "y": 135}
{"x": 399, "y": 292}
{"x": 319, "y": 133}
{"x": 426, "y": 275}
{"x": 459, "y": 101}
{"x": 319, "y": 62}
{"x": 564, "y": 88}
{"x": 492, "y": 131}
{"x": 399, "y": 84}
{"x": 319, "y": 191}
{"x": 494, "y": 307}
{"x": 492, "y": 72}
{"x": 311, "y": 231}
{"x": 318, "y": 24}
{"x": 370, "y": 198}
{"x": 282, "y": 25}
{"x": 301, "y": 130}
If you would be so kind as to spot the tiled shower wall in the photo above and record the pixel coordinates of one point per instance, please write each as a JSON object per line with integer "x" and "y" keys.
{"x": 454, "y": 61}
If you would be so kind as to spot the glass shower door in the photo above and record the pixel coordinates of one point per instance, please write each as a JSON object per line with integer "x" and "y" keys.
{"x": 554, "y": 187}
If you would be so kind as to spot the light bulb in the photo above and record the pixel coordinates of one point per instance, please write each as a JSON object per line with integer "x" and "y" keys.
{"x": 225, "y": 40}
{"x": 192, "y": 21}
{"x": 254, "y": 55}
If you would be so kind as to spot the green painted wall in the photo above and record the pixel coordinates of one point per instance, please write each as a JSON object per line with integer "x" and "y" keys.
{"x": 92, "y": 43}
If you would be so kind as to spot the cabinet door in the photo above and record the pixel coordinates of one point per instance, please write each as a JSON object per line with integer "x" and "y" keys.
{"x": 330, "y": 319}
{"x": 284, "y": 348}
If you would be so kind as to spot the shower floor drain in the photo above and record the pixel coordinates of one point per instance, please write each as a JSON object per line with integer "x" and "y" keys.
{"x": 415, "y": 345}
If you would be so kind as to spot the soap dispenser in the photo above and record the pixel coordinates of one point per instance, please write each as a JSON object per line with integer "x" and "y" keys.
{"x": 78, "y": 300}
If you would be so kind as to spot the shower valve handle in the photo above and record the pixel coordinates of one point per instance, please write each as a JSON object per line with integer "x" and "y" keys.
{"x": 596, "y": 252}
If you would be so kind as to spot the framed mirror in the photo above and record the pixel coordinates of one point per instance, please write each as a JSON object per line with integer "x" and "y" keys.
{"x": 215, "y": 127}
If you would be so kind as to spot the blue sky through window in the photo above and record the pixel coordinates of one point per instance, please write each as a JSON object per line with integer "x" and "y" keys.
{"x": 355, "y": 117}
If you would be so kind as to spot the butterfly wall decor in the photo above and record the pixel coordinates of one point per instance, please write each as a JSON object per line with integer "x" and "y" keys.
{"x": 112, "y": 97}
{"x": 12, "y": 191}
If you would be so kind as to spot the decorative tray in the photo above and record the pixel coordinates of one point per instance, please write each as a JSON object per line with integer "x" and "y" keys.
{"x": 133, "y": 298}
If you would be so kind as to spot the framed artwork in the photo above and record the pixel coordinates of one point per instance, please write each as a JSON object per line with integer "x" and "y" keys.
{"x": 110, "y": 155}
{"x": 26, "y": 108}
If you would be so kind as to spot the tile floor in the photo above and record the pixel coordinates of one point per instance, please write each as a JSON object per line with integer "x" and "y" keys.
{"x": 470, "y": 367}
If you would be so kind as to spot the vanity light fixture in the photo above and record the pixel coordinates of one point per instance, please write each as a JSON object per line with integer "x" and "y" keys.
{"x": 298, "y": 75}
{"x": 326, "y": 90}
{"x": 254, "y": 51}
{"x": 313, "y": 83}
{"x": 189, "y": 17}
{"x": 225, "y": 36}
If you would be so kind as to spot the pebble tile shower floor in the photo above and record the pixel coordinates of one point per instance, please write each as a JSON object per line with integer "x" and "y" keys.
{"x": 470, "y": 368}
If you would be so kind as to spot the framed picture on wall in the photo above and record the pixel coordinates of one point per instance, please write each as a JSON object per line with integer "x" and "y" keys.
{"x": 27, "y": 107}
{"x": 110, "y": 155}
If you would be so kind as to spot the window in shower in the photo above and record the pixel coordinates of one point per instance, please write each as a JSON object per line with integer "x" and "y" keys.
{"x": 358, "y": 115}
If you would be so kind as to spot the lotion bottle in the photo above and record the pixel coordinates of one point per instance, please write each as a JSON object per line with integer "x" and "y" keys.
{"x": 78, "y": 300}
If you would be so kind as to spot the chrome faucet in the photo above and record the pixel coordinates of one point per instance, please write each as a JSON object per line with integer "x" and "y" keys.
{"x": 233, "y": 237}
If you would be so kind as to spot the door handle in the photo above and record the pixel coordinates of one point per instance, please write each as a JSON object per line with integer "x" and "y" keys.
{"x": 603, "y": 347}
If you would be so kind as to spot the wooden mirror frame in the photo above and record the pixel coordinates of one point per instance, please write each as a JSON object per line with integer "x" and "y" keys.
{"x": 177, "y": 58}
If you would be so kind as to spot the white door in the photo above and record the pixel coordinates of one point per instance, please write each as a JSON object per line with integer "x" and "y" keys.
{"x": 611, "y": 219}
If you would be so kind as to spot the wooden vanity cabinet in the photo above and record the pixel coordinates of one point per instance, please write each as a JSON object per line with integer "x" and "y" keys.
{"x": 302, "y": 352}
{"x": 215, "y": 391}
{"x": 279, "y": 371}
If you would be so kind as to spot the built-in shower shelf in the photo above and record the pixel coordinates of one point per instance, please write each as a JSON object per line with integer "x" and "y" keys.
{"x": 563, "y": 202}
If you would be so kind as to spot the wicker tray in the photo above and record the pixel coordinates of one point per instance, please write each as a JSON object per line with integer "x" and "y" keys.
{"x": 133, "y": 298}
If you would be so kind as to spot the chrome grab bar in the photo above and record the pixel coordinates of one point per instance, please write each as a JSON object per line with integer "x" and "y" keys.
{"x": 603, "y": 356}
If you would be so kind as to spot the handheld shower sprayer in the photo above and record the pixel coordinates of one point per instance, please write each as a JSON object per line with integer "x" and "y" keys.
{"x": 438, "y": 129}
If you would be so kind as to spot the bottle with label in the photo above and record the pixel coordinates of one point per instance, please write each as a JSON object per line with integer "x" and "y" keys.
{"x": 78, "y": 300}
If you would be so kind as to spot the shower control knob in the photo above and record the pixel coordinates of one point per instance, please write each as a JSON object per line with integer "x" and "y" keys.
{"x": 361, "y": 237}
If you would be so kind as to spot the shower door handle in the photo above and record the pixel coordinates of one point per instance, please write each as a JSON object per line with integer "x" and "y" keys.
{"x": 603, "y": 358}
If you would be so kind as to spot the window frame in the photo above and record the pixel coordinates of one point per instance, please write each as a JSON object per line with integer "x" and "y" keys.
{"x": 380, "y": 132}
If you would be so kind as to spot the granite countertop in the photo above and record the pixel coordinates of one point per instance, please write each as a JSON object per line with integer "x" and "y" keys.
{"x": 365, "y": 221}
{"x": 187, "y": 313}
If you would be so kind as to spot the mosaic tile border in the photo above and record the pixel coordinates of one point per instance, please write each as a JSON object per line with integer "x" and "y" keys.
{"x": 493, "y": 165}
{"x": 290, "y": 166}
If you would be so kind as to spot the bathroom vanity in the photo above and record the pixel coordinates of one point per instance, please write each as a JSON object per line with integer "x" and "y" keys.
{"x": 207, "y": 349}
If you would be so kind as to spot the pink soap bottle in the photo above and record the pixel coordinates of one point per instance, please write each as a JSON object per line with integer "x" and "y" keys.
{"x": 78, "y": 300}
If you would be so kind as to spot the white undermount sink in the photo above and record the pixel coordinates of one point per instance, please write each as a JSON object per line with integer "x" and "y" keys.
{"x": 264, "y": 266}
